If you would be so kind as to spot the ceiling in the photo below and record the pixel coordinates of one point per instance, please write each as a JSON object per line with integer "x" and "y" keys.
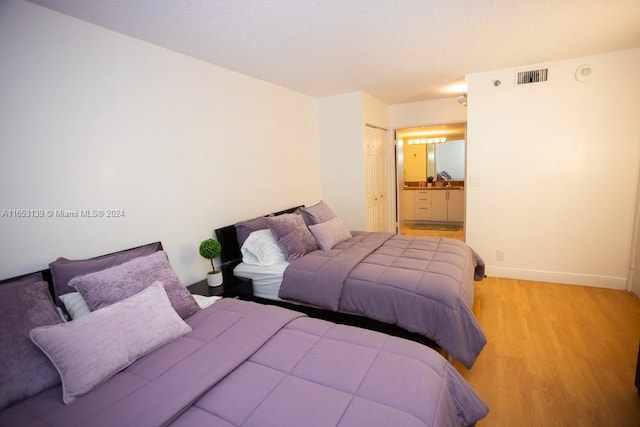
{"x": 397, "y": 51}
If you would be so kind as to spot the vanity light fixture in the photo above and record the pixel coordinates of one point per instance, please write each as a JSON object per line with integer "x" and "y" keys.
{"x": 427, "y": 141}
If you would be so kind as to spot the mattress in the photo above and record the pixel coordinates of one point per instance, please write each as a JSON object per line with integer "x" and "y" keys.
{"x": 266, "y": 280}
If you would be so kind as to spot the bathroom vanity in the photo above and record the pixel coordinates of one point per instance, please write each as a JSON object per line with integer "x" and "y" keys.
{"x": 435, "y": 204}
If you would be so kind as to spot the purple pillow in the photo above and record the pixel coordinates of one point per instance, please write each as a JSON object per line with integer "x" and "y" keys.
{"x": 63, "y": 270}
{"x": 24, "y": 370}
{"x": 105, "y": 287}
{"x": 330, "y": 233}
{"x": 292, "y": 234}
{"x": 22, "y": 280}
{"x": 318, "y": 213}
{"x": 90, "y": 350}
{"x": 244, "y": 228}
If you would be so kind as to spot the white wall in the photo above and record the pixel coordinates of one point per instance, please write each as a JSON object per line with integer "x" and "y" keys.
{"x": 552, "y": 171}
{"x": 342, "y": 164}
{"x": 438, "y": 111}
{"x": 341, "y": 121}
{"x": 93, "y": 119}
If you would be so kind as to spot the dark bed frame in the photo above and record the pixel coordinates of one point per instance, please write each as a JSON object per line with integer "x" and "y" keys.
{"x": 46, "y": 273}
{"x": 231, "y": 256}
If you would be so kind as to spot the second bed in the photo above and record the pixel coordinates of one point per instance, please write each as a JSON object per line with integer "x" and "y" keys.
{"x": 420, "y": 284}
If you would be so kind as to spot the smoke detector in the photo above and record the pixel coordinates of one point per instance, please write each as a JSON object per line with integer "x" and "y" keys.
{"x": 584, "y": 73}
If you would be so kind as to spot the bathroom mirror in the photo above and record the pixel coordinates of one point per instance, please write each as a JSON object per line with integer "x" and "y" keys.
{"x": 423, "y": 157}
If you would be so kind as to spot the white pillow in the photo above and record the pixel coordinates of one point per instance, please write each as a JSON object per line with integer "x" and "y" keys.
{"x": 88, "y": 351}
{"x": 330, "y": 233}
{"x": 204, "y": 302}
{"x": 76, "y": 305}
{"x": 261, "y": 248}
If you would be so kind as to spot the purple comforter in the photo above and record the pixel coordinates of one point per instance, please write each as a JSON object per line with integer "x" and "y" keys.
{"x": 246, "y": 364}
{"x": 422, "y": 284}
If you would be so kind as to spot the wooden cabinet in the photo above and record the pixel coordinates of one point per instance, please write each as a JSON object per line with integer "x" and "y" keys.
{"x": 422, "y": 205}
{"x": 455, "y": 206}
{"x": 408, "y": 206}
{"x": 438, "y": 205}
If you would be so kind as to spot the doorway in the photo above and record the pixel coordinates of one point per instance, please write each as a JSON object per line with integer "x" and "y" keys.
{"x": 430, "y": 176}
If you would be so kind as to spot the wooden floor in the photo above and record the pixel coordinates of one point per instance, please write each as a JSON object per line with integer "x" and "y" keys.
{"x": 557, "y": 355}
{"x": 459, "y": 235}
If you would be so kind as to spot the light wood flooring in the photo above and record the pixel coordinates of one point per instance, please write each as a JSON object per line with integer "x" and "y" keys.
{"x": 459, "y": 235}
{"x": 557, "y": 355}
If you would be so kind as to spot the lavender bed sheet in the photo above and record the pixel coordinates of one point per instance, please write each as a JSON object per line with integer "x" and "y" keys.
{"x": 422, "y": 284}
{"x": 246, "y": 364}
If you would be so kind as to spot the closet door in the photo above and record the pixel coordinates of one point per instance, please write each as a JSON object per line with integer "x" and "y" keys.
{"x": 375, "y": 178}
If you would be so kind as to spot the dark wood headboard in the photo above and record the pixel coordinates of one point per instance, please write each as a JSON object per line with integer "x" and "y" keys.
{"x": 228, "y": 238}
{"x": 46, "y": 274}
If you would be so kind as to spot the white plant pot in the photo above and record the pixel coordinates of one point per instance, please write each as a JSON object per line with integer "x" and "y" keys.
{"x": 214, "y": 280}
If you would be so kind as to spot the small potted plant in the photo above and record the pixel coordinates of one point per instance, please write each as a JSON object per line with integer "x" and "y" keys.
{"x": 211, "y": 249}
{"x": 429, "y": 181}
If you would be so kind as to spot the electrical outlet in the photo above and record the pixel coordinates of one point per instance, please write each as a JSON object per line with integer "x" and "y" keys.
{"x": 500, "y": 255}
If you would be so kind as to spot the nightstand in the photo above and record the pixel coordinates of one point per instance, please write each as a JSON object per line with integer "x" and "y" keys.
{"x": 234, "y": 287}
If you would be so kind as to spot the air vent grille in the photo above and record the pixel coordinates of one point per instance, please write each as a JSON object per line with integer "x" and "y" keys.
{"x": 533, "y": 76}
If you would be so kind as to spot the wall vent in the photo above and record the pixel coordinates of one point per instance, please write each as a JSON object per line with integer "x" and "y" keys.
{"x": 532, "y": 76}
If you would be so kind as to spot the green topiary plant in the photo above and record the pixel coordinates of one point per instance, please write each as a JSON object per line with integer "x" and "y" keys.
{"x": 210, "y": 249}
{"x": 430, "y": 179}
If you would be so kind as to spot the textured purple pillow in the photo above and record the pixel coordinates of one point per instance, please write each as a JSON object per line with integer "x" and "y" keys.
{"x": 24, "y": 370}
{"x": 292, "y": 235}
{"x": 318, "y": 213}
{"x": 244, "y": 228}
{"x": 109, "y": 286}
{"x": 330, "y": 233}
{"x": 91, "y": 349}
{"x": 63, "y": 270}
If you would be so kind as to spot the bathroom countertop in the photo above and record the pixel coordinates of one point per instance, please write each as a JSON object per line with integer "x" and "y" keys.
{"x": 453, "y": 187}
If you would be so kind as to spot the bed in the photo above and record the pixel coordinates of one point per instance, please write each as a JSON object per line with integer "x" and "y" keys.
{"x": 143, "y": 352}
{"x": 416, "y": 287}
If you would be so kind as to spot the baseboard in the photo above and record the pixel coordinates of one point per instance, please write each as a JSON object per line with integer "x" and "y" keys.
{"x": 608, "y": 282}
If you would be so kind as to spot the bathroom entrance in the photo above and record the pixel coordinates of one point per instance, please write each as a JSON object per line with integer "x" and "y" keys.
{"x": 430, "y": 173}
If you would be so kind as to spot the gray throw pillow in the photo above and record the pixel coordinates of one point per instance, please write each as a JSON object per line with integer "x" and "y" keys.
{"x": 24, "y": 370}
{"x": 111, "y": 285}
{"x": 318, "y": 213}
{"x": 91, "y": 349}
{"x": 292, "y": 235}
{"x": 330, "y": 233}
